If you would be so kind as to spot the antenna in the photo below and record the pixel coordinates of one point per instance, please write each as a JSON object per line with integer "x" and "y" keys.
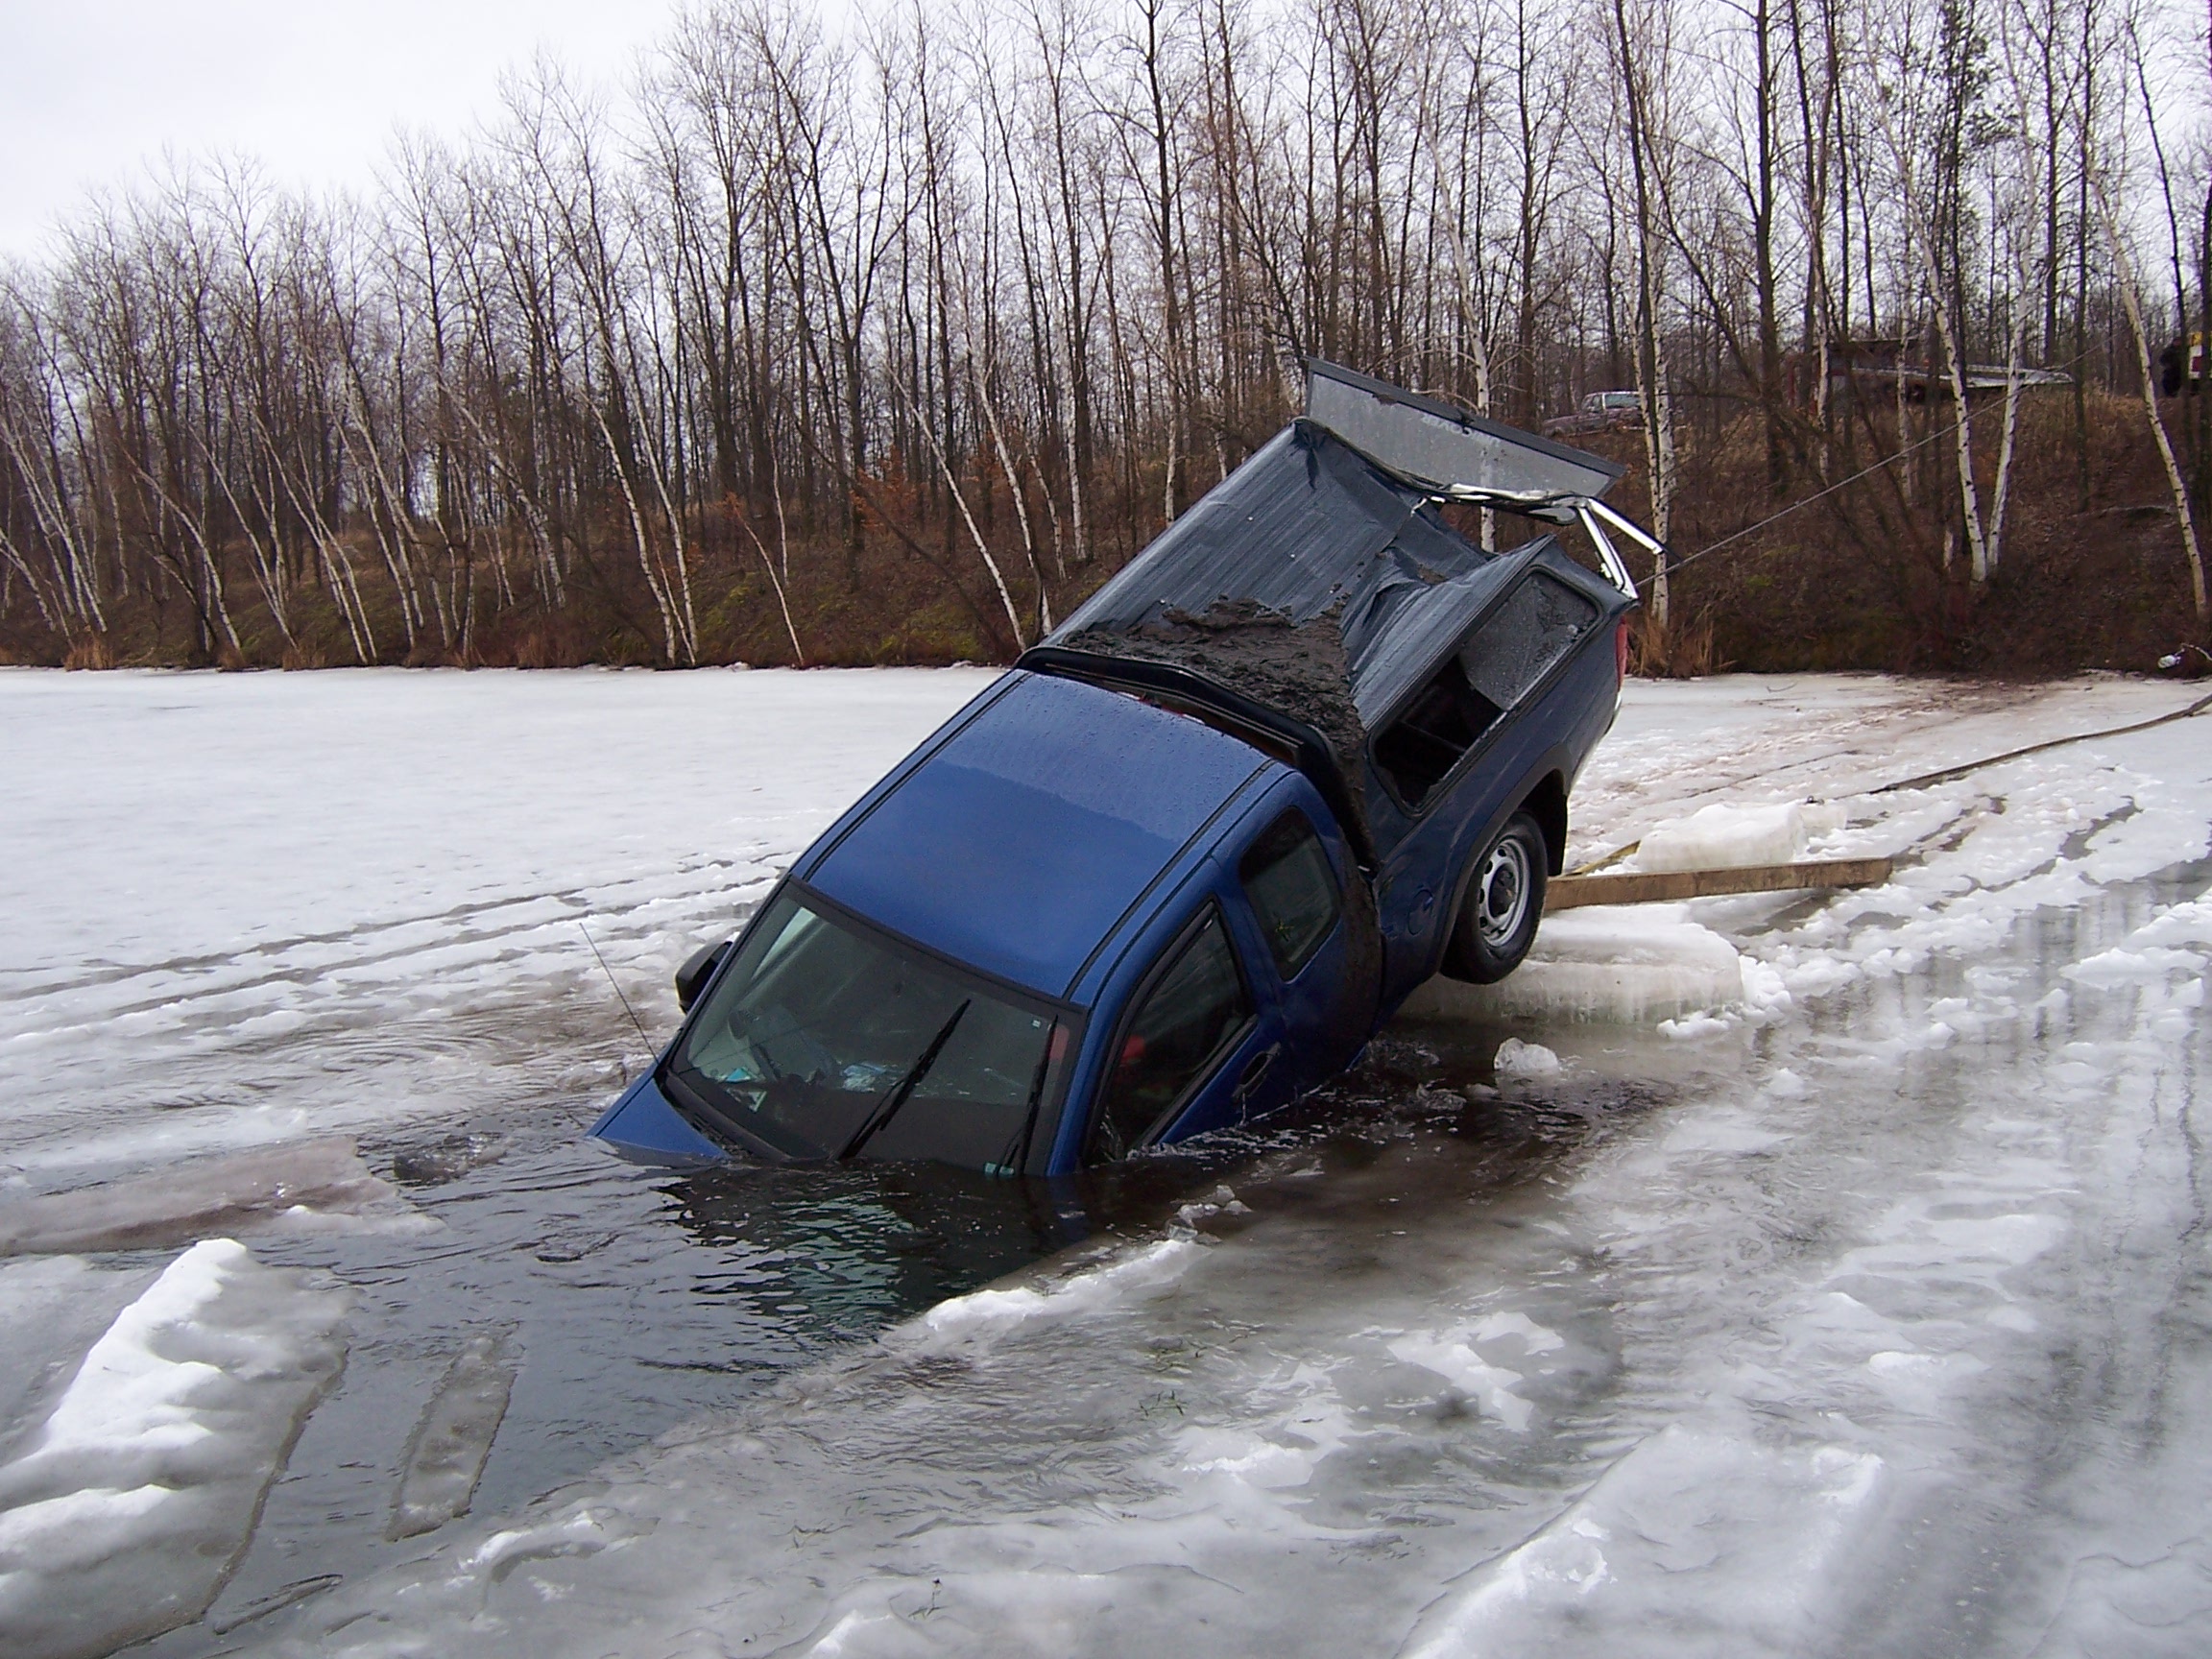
{"x": 617, "y": 984}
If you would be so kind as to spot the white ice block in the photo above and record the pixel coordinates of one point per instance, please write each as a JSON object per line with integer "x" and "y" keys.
{"x": 1634, "y": 963}
{"x": 1726, "y": 837}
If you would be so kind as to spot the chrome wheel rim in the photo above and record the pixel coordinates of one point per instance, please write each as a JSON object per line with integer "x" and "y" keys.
{"x": 1502, "y": 901}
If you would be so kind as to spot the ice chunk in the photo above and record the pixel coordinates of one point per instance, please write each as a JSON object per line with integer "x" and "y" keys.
{"x": 1765, "y": 991}
{"x": 1824, "y": 818}
{"x": 585, "y": 1532}
{"x": 52, "y": 1308}
{"x": 984, "y": 1314}
{"x": 1630, "y": 963}
{"x": 2185, "y": 923}
{"x": 1720, "y": 1130}
{"x": 128, "y": 1507}
{"x": 1699, "y": 1025}
{"x": 210, "y": 1195}
{"x": 1456, "y": 1356}
{"x": 1519, "y": 1059}
{"x": 2121, "y": 967}
{"x": 446, "y": 1159}
{"x": 1727, "y": 838}
{"x": 445, "y": 1454}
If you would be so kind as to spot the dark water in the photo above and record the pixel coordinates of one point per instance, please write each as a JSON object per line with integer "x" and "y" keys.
{"x": 629, "y": 1300}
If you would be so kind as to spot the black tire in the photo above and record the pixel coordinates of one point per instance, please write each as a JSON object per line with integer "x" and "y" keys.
{"x": 1504, "y": 903}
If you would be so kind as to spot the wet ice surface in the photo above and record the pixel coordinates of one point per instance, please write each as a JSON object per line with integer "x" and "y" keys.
{"x": 1864, "y": 1313}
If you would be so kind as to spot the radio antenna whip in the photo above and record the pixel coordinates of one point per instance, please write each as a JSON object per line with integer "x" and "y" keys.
{"x": 617, "y": 984}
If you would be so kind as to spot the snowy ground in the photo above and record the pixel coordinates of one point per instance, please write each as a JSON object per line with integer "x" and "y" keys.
{"x": 1850, "y": 1297}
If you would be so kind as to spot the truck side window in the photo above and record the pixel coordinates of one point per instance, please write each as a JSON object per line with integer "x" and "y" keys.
{"x": 1510, "y": 650}
{"x": 1293, "y": 890}
{"x": 1186, "y": 1018}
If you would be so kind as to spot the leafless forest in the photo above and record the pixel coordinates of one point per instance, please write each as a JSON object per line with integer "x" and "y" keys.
{"x": 888, "y": 343}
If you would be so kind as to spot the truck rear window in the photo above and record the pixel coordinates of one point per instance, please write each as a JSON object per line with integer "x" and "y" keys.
{"x": 1516, "y": 644}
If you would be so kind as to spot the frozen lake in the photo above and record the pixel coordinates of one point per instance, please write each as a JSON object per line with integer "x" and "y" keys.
{"x": 1863, "y": 1309}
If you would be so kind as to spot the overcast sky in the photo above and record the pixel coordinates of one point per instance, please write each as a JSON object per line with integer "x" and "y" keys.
{"x": 91, "y": 91}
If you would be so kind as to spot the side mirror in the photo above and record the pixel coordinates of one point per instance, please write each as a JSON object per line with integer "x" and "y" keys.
{"x": 698, "y": 968}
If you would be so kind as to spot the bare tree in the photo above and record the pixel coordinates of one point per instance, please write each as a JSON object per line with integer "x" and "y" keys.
{"x": 963, "y": 303}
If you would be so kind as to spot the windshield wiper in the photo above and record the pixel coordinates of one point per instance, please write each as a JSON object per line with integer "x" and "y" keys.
{"x": 1015, "y": 1156}
{"x": 899, "y": 1096}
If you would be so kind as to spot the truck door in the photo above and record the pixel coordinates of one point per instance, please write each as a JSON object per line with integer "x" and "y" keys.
{"x": 1297, "y": 908}
{"x": 1200, "y": 1036}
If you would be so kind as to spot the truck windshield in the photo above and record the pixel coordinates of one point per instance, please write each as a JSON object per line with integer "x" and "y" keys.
{"x": 824, "y": 1039}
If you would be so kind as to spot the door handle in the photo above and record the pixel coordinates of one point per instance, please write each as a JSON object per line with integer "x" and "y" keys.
{"x": 1255, "y": 1072}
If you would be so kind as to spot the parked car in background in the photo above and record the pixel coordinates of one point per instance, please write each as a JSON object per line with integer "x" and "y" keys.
{"x": 1601, "y": 412}
{"x": 1174, "y": 869}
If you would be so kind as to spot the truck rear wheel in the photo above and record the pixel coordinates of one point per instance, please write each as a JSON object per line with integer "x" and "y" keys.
{"x": 1503, "y": 904}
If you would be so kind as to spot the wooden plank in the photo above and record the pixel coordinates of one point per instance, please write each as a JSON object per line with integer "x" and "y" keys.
{"x": 1571, "y": 892}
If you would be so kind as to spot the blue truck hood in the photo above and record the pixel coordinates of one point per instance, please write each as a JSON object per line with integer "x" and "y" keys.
{"x": 1021, "y": 842}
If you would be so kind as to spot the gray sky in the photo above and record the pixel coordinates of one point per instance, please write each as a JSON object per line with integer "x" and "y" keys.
{"x": 91, "y": 91}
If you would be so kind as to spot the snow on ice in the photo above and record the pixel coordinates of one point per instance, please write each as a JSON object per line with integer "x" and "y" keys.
{"x": 1838, "y": 1287}
{"x": 126, "y": 1507}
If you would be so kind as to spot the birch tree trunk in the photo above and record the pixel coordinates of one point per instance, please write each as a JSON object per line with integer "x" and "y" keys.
{"x": 2130, "y": 299}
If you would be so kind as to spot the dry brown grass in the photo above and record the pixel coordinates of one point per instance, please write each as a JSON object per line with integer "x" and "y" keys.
{"x": 1677, "y": 649}
{"x": 91, "y": 651}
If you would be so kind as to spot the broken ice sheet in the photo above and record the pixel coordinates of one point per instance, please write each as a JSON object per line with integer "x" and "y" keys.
{"x": 304, "y": 1181}
{"x": 1019, "y": 1448}
{"x": 1652, "y": 1532}
{"x": 445, "y": 1454}
{"x": 123, "y": 1513}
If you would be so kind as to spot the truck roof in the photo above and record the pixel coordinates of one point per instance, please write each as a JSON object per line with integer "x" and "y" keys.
{"x": 1019, "y": 842}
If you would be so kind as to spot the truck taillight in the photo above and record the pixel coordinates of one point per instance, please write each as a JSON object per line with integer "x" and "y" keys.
{"x": 1620, "y": 652}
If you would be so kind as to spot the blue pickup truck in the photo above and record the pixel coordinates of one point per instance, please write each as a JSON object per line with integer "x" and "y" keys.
{"x": 1178, "y": 865}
